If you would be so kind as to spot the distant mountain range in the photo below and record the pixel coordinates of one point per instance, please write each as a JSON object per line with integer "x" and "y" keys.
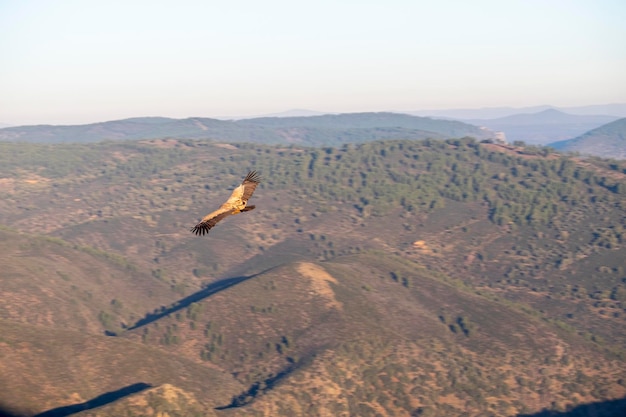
{"x": 541, "y": 125}
{"x": 545, "y": 126}
{"x": 324, "y": 130}
{"x": 615, "y": 109}
{"x": 608, "y": 141}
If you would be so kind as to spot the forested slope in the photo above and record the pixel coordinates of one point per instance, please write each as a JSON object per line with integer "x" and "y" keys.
{"x": 386, "y": 278}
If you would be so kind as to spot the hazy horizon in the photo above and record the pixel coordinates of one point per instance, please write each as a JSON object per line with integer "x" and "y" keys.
{"x": 463, "y": 114}
{"x": 69, "y": 62}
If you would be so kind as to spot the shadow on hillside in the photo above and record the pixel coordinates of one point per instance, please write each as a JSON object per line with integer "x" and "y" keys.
{"x": 99, "y": 401}
{"x": 261, "y": 387}
{"x": 257, "y": 388}
{"x": 6, "y": 413}
{"x": 209, "y": 290}
{"x": 612, "y": 408}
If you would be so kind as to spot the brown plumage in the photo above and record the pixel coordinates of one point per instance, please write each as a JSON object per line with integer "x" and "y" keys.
{"x": 236, "y": 203}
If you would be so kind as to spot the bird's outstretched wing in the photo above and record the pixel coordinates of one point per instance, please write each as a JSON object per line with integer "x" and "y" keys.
{"x": 249, "y": 185}
{"x": 209, "y": 221}
{"x": 242, "y": 193}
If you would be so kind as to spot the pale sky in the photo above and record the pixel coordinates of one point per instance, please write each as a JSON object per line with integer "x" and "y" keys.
{"x": 82, "y": 61}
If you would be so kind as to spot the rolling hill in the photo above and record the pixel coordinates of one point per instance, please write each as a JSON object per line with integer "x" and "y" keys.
{"x": 324, "y": 130}
{"x": 394, "y": 277}
{"x": 607, "y": 141}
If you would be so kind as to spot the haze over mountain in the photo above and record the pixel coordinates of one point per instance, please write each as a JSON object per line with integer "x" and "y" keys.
{"x": 607, "y": 141}
{"x": 286, "y": 113}
{"x": 543, "y": 127}
{"x": 396, "y": 277}
{"x": 616, "y": 109}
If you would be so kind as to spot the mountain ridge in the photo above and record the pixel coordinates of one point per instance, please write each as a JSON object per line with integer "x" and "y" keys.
{"x": 608, "y": 141}
{"x": 310, "y": 130}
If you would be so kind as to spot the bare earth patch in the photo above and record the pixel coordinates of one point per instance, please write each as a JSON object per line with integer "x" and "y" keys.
{"x": 226, "y": 146}
{"x": 320, "y": 283}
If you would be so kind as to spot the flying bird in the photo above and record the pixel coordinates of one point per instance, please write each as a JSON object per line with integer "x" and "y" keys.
{"x": 236, "y": 203}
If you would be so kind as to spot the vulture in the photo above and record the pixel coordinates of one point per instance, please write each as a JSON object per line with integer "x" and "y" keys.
{"x": 236, "y": 203}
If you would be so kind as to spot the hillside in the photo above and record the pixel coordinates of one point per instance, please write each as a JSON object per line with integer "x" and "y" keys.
{"x": 387, "y": 278}
{"x": 51, "y": 369}
{"x": 324, "y": 130}
{"x": 607, "y": 141}
{"x": 543, "y": 127}
{"x": 47, "y": 281}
